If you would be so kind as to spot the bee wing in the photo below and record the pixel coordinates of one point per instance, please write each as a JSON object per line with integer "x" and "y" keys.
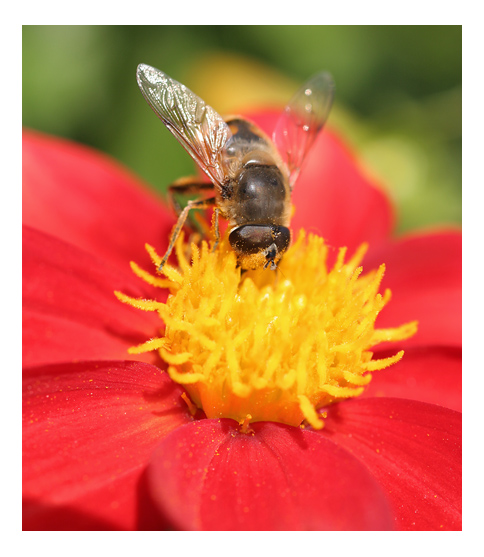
{"x": 302, "y": 120}
{"x": 201, "y": 131}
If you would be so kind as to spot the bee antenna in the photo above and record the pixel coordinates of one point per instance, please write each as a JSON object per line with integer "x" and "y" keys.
{"x": 271, "y": 263}
{"x": 271, "y": 253}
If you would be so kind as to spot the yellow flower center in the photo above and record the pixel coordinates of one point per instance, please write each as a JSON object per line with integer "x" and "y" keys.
{"x": 264, "y": 345}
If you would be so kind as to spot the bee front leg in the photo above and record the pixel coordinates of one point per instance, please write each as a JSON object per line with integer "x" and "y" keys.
{"x": 197, "y": 204}
{"x": 216, "y": 212}
{"x": 183, "y": 186}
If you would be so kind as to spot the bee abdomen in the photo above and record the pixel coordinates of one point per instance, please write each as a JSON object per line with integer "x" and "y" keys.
{"x": 244, "y": 131}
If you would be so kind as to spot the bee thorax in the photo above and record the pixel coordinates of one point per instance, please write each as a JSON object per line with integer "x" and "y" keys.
{"x": 260, "y": 196}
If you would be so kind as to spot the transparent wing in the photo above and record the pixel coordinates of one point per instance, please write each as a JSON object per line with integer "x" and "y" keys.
{"x": 302, "y": 120}
{"x": 201, "y": 131}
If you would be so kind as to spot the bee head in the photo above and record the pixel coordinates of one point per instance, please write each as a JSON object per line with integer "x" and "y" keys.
{"x": 259, "y": 245}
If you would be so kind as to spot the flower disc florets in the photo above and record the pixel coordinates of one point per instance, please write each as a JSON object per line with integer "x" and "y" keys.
{"x": 264, "y": 345}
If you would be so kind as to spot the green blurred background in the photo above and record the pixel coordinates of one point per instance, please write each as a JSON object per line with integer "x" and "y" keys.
{"x": 398, "y": 100}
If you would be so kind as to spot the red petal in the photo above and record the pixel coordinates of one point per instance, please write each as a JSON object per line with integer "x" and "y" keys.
{"x": 431, "y": 375}
{"x": 88, "y": 432}
{"x": 333, "y": 196}
{"x": 70, "y": 312}
{"x": 414, "y": 451}
{"x": 424, "y": 274}
{"x": 89, "y": 200}
{"x": 208, "y": 476}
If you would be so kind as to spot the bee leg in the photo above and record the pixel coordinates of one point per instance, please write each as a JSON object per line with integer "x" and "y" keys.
{"x": 216, "y": 228}
{"x": 189, "y": 184}
{"x": 197, "y": 204}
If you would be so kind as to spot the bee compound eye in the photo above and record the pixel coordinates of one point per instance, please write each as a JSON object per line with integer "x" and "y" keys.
{"x": 281, "y": 238}
{"x": 255, "y": 238}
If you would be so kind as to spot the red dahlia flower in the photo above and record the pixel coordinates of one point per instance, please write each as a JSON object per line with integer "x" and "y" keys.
{"x": 110, "y": 442}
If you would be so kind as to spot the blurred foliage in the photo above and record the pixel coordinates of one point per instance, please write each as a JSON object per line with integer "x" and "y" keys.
{"x": 398, "y": 97}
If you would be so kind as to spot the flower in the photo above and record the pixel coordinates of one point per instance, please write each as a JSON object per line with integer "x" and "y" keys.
{"x": 307, "y": 346}
{"x": 109, "y": 441}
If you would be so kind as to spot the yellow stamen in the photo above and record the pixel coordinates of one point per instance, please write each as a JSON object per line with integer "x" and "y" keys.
{"x": 153, "y": 344}
{"x": 150, "y": 279}
{"x": 191, "y": 407}
{"x": 265, "y": 345}
{"x": 244, "y": 425}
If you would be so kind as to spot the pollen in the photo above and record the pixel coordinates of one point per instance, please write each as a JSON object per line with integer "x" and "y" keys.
{"x": 268, "y": 345}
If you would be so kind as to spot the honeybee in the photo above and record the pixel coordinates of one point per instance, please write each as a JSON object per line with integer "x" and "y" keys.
{"x": 251, "y": 176}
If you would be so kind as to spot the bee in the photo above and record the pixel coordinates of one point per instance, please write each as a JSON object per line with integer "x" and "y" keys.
{"x": 251, "y": 176}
